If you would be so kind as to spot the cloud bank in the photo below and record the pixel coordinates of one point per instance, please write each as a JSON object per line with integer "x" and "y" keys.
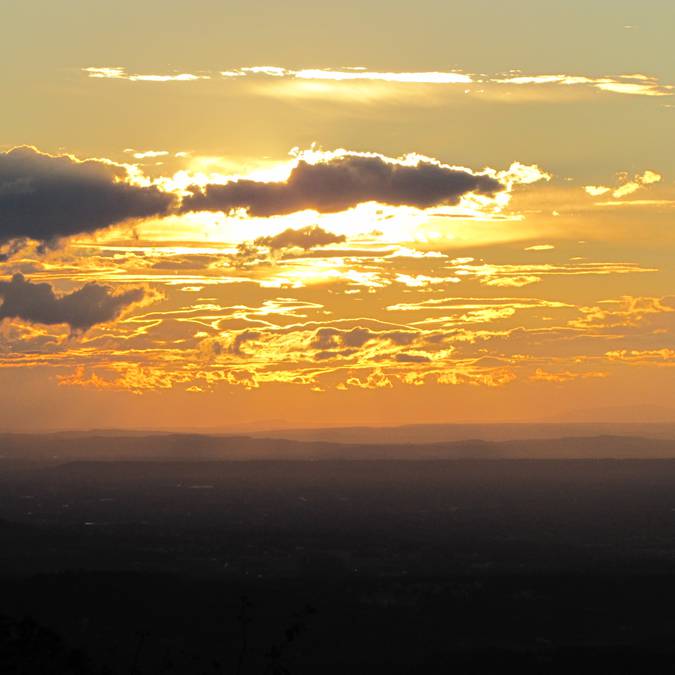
{"x": 44, "y": 198}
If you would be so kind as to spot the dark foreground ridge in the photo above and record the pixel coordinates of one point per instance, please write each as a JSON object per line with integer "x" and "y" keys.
{"x": 190, "y": 566}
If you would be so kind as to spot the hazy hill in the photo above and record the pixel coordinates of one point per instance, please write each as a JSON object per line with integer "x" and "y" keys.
{"x": 58, "y": 447}
{"x": 438, "y": 433}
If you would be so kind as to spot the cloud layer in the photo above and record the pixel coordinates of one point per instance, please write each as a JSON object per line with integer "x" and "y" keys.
{"x": 635, "y": 84}
{"x": 342, "y": 182}
{"x": 43, "y": 197}
{"x": 90, "y": 305}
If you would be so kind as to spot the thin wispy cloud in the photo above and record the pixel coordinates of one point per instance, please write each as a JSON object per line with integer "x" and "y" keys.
{"x": 634, "y": 84}
{"x": 354, "y": 74}
{"x": 118, "y": 73}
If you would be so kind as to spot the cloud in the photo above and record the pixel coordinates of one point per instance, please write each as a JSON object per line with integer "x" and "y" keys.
{"x": 376, "y": 379}
{"x": 422, "y": 280}
{"x": 649, "y": 177}
{"x": 44, "y": 198}
{"x": 304, "y": 237}
{"x": 90, "y": 305}
{"x": 596, "y": 190}
{"x": 301, "y": 346}
{"x": 342, "y": 181}
{"x": 629, "y": 312}
{"x": 644, "y": 357}
{"x": 351, "y": 74}
{"x": 540, "y": 247}
{"x": 511, "y": 282}
{"x": 134, "y": 378}
{"x": 405, "y": 357}
{"x": 463, "y": 304}
{"x": 335, "y": 338}
{"x": 627, "y": 187}
{"x": 117, "y": 73}
{"x": 492, "y": 274}
{"x": 147, "y": 154}
{"x": 561, "y": 377}
{"x": 633, "y": 85}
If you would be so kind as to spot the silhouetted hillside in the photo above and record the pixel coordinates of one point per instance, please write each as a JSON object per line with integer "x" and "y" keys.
{"x": 148, "y": 567}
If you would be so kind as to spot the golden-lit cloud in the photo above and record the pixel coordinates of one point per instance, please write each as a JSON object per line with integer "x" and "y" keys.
{"x": 118, "y": 73}
{"x": 559, "y": 377}
{"x": 351, "y": 74}
{"x": 337, "y": 83}
{"x": 627, "y": 186}
{"x": 329, "y": 271}
{"x": 540, "y": 247}
{"x": 288, "y": 341}
{"x": 664, "y": 357}
{"x": 626, "y": 312}
{"x": 633, "y": 85}
{"x": 147, "y": 154}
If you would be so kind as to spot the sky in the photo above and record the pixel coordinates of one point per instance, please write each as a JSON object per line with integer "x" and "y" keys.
{"x": 215, "y": 214}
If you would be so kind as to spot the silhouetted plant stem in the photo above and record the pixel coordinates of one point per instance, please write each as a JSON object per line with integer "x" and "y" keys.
{"x": 244, "y": 620}
{"x": 137, "y": 656}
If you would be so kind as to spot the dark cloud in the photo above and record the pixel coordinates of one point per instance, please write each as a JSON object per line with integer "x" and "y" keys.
{"x": 305, "y": 238}
{"x": 44, "y": 198}
{"x": 81, "y": 309}
{"x": 11, "y": 249}
{"x": 411, "y": 358}
{"x": 334, "y": 338}
{"x": 341, "y": 183}
{"x": 241, "y": 339}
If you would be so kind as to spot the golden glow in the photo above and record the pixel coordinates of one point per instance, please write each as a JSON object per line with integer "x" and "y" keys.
{"x": 553, "y": 293}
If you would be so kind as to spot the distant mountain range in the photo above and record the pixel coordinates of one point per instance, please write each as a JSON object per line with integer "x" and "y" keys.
{"x": 636, "y": 414}
{"x": 403, "y": 443}
{"x": 439, "y": 433}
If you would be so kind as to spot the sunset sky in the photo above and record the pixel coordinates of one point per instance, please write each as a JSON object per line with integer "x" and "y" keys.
{"x": 375, "y": 212}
